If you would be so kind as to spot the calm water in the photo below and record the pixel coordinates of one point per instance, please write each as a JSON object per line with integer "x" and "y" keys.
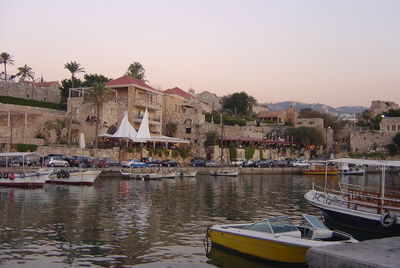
{"x": 118, "y": 222}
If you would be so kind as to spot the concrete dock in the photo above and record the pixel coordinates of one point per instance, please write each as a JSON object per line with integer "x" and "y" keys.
{"x": 379, "y": 253}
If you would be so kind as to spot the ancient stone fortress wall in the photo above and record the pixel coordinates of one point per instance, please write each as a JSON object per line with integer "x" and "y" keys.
{"x": 365, "y": 141}
{"x": 390, "y": 124}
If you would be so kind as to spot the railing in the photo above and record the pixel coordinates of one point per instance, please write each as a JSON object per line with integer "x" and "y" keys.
{"x": 360, "y": 199}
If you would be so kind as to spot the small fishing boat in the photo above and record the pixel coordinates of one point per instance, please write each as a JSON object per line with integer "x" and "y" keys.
{"x": 142, "y": 176}
{"x": 276, "y": 239}
{"x": 320, "y": 168}
{"x": 188, "y": 173}
{"x": 169, "y": 174}
{"x": 73, "y": 176}
{"x": 223, "y": 172}
{"x": 346, "y": 169}
{"x": 23, "y": 175}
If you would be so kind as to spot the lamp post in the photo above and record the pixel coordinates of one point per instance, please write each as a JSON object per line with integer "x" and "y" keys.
{"x": 326, "y": 139}
{"x": 221, "y": 140}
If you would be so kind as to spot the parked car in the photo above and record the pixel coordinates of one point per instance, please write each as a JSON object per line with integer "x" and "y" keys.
{"x": 152, "y": 162}
{"x": 133, "y": 163}
{"x": 238, "y": 162}
{"x": 82, "y": 161}
{"x": 197, "y": 163}
{"x": 63, "y": 157}
{"x": 169, "y": 163}
{"x": 265, "y": 163}
{"x": 251, "y": 163}
{"x": 300, "y": 163}
{"x": 56, "y": 161}
{"x": 212, "y": 163}
{"x": 280, "y": 163}
{"x": 100, "y": 163}
{"x": 110, "y": 161}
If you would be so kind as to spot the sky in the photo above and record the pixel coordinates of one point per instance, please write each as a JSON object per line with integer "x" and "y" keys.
{"x": 335, "y": 52}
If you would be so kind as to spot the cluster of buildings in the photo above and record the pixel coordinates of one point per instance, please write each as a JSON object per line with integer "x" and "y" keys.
{"x": 173, "y": 112}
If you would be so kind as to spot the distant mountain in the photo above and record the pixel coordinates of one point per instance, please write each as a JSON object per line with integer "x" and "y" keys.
{"x": 316, "y": 106}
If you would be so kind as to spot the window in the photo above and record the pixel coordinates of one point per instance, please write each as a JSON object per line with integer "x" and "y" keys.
{"x": 77, "y": 110}
{"x": 195, "y": 141}
{"x": 388, "y": 127}
{"x": 188, "y": 130}
{"x": 27, "y": 96}
{"x": 45, "y": 98}
{"x": 394, "y": 128}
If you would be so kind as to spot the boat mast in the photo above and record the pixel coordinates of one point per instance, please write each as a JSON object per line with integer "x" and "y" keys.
{"x": 383, "y": 188}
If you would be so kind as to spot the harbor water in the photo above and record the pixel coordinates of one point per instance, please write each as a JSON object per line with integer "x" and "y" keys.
{"x": 122, "y": 223}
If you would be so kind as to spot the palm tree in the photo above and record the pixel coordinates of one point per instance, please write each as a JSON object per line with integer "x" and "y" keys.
{"x": 74, "y": 68}
{"x": 98, "y": 95}
{"x": 5, "y": 59}
{"x": 24, "y": 72}
{"x": 136, "y": 70}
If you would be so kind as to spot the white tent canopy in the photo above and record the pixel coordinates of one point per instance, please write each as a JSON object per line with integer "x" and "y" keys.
{"x": 125, "y": 129}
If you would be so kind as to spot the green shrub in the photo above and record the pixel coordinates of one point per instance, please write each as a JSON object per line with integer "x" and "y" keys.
{"x": 261, "y": 153}
{"x": 29, "y": 102}
{"x": 249, "y": 152}
{"x": 20, "y": 147}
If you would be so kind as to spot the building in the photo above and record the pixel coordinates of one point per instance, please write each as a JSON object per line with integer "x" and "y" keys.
{"x": 310, "y": 122}
{"x": 211, "y": 99}
{"x": 43, "y": 91}
{"x": 279, "y": 117}
{"x": 390, "y": 125}
{"x": 379, "y": 107}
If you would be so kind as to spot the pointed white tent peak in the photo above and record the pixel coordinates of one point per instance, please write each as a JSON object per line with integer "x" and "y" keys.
{"x": 144, "y": 131}
{"x": 125, "y": 129}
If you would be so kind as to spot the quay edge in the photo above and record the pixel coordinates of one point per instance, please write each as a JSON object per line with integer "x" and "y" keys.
{"x": 376, "y": 253}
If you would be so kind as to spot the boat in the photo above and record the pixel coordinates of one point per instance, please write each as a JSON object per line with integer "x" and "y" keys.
{"x": 223, "y": 172}
{"x": 359, "y": 207}
{"x": 320, "y": 168}
{"x": 73, "y": 176}
{"x": 346, "y": 169}
{"x": 276, "y": 239}
{"x": 141, "y": 176}
{"x": 23, "y": 175}
{"x": 169, "y": 174}
{"x": 188, "y": 173}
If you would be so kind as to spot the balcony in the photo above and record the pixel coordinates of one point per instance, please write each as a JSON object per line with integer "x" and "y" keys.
{"x": 147, "y": 104}
{"x": 152, "y": 121}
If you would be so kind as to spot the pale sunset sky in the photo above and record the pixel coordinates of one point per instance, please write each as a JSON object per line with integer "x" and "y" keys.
{"x": 336, "y": 52}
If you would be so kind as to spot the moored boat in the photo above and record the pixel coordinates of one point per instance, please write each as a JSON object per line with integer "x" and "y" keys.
{"x": 320, "y": 169}
{"x": 346, "y": 169}
{"x": 224, "y": 172}
{"x": 169, "y": 174}
{"x": 276, "y": 239}
{"x": 359, "y": 207}
{"x": 73, "y": 176}
{"x": 23, "y": 175}
{"x": 188, "y": 173}
{"x": 141, "y": 176}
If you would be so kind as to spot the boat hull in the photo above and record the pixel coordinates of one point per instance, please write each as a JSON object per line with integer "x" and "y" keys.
{"x": 320, "y": 172}
{"x": 27, "y": 180}
{"x": 335, "y": 211}
{"x": 260, "y": 248}
{"x": 75, "y": 178}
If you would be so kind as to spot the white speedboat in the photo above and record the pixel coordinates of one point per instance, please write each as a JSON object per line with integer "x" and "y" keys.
{"x": 276, "y": 239}
{"x": 188, "y": 173}
{"x": 23, "y": 175}
{"x": 141, "y": 176}
{"x": 346, "y": 169}
{"x": 73, "y": 176}
{"x": 169, "y": 174}
{"x": 223, "y": 172}
{"x": 360, "y": 207}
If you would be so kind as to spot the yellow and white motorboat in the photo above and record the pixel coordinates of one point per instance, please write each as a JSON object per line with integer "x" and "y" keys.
{"x": 277, "y": 239}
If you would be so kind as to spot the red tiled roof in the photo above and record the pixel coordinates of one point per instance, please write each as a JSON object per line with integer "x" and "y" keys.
{"x": 46, "y": 84}
{"x": 128, "y": 80}
{"x": 179, "y": 92}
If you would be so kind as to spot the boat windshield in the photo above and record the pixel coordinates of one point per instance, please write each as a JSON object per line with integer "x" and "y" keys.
{"x": 282, "y": 225}
{"x": 262, "y": 226}
{"x": 314, "y": 222}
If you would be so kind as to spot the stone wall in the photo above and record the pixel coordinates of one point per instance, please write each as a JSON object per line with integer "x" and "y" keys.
{"x": 390, "y": 124}
{"x": 365, "y": 141}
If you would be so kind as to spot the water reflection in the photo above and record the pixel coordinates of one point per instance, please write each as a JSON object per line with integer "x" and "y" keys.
{"x": 124, "y": 222}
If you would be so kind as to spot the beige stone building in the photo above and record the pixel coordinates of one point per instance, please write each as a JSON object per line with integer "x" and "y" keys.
{"x": 211, "y": 99}
{"x": 390, "y": 125}
{"x": 279, "y": 117}
{"x": 378, "y": 107}
{"x": 310, "y": 122}
{"x": 43, "y": 91}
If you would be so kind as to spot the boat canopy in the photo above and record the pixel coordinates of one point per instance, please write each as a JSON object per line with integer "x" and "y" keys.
{"x": 21, "y": 154}
{"x": 367, "y": 162}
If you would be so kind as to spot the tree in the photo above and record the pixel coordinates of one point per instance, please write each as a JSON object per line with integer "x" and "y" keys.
{"x": 211, "y": 138}
{"x": 24, "y": 72}
{"x": 6, "y": 59}
{"x": 98, "y": 95}
{"x": 307, "y": 136}
{"x": 136, "y": 70}
{"x": 66, "y": 84}
{"x": 89, "y": 79}
{"x": 240, "y": 103}
{"x": 74, "y": 68}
